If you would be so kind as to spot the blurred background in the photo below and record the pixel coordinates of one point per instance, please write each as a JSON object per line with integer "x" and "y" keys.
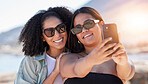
{"x": 131, "y": 17}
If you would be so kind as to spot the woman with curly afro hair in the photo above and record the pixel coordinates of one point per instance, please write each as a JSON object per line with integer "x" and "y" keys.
{"x": 44, "y": 38}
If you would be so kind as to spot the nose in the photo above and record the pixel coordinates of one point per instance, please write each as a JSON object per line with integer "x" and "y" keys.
{"x": 84, "y": 30}
{"x": 56, "y": 33}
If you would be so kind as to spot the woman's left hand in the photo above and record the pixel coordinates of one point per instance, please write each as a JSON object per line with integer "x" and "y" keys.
{"x": 120, "y": 57}
{"x": 56, "y": 69}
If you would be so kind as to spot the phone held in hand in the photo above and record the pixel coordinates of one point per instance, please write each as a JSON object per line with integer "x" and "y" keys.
{"x": 110, "y": 30}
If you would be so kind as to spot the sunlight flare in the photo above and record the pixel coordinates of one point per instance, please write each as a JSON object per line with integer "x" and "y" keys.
{"x": 136, "y": 20}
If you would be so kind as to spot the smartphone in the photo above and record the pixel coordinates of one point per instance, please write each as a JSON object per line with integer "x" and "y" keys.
{"x": 110, "y": 30}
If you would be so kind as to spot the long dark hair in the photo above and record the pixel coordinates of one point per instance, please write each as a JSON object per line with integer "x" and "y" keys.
{"x": 31, "y": 34}
{"x": 73, "y": 44}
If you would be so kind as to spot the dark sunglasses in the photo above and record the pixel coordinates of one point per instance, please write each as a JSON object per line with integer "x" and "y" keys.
{"x": 49, "y": 32}
{"x": 87, "y": 25}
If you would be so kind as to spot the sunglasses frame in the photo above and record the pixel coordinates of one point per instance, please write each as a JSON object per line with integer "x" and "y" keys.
{"x": 73, "y": 29}
{"x": 56, "y": 28}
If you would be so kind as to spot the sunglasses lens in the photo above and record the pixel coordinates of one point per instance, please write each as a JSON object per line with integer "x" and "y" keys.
{"x": 49, "y": 32}
{"x": 77, "y": 29}
{"x": 61, "y": 28}
{"x": 89, "y": 24}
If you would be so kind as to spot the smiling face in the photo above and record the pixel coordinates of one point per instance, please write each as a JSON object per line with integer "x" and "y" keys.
{"x": 88, "y": 37}
{"x": 58, "y": 40}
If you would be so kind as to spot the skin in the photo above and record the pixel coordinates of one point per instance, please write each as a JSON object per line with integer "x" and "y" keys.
{"x": 56, "y": 48}
{"x": 94, "y": 33}
{"x": 98, "y": 59}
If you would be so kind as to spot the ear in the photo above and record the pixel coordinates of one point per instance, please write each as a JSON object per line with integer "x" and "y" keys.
{"x": 102, "y": 22}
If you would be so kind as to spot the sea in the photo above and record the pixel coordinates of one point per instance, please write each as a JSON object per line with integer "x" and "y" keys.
{"x": 9, "y": 63}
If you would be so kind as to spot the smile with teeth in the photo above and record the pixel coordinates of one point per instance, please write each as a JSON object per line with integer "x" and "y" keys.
{"x": 60, "y": 40}
{"x": 88, "y": 35}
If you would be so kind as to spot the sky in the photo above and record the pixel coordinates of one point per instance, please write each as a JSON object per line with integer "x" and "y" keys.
{"x": 131, "y": 16}
{"x": 131, "y": 19}
{"x": 17, "y": 12}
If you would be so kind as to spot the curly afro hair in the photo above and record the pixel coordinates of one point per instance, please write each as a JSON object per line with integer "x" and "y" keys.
{"x": 31, "y": 34}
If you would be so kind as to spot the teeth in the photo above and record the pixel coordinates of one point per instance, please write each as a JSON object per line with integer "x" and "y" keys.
{"x": 58, "y": 40}
{"x": 87, "y": 35}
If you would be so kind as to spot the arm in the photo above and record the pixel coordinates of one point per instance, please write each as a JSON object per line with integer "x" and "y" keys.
{"x": 132, "y": 70}
{"x": 125, "y": 68}
{"x": 72, "y": 66}
{"x": 26, "y": 73}
{"x": 126, "y": 71}
{"x": 51, "y": 78}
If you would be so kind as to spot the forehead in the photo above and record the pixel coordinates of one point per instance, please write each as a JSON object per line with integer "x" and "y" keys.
{"x": 80, "y": 18}
{"x": 51, "y": 22}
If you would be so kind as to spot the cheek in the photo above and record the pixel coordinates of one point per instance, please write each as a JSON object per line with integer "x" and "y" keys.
{"x": 65, "y": 34}
{"x": 78, "y": 36}
{"x": 98, "y": 32}
{"x": 98, "y": 29}
{"x": 47, "y": 39}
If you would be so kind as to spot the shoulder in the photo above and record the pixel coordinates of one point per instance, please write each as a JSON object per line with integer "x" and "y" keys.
{"x": 27, "y": 62}
{"x": 28, "y": 59}
{"x": 27, "y": 71}
{"x": 70, "y": 56}
{"x": 30, "y": 63}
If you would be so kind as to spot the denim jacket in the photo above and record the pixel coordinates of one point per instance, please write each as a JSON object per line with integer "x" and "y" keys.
{"x": 32, "y": 70}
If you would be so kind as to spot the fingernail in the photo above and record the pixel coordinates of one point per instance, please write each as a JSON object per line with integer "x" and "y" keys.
{"x": 115, "y": 43}
{"x": 114, "y": 48}
{"x": 113, "y": 56}
{"x": 110, "y": 38}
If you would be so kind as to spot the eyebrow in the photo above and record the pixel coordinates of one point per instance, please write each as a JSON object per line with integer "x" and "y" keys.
{"x": 85, "y": 21}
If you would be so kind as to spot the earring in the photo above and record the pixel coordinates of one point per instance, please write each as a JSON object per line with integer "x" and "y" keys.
{"x": 79, "y": 42}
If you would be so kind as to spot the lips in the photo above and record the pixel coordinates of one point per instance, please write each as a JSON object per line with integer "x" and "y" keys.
{"x": 87, "y": 35}
{"x": 59, "y": 40}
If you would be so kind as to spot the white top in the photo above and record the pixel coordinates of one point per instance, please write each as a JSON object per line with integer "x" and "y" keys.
{"x": 50, "y": 66}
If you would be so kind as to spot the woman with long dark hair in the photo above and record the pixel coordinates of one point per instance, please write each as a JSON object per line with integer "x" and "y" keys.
{"x": 91, "y": 61}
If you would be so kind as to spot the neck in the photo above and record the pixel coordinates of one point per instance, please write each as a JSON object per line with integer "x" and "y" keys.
{"x": 89, "y": 49}
{"x": 54, "y": 52}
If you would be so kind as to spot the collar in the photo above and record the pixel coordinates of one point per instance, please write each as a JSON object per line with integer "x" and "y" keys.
{"x": 40, "y": 57}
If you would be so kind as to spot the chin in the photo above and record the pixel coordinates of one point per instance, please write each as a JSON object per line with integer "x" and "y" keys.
{"x": 92, "y": 43}
{"x": 60, "y": 47}
{"x": 88, "y": 42}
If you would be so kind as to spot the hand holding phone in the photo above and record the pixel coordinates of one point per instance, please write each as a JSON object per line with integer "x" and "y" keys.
{"x": 110, "y": 30}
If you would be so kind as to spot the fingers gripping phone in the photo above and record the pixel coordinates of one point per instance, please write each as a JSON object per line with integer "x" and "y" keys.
{"x": 110, "y": 30}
